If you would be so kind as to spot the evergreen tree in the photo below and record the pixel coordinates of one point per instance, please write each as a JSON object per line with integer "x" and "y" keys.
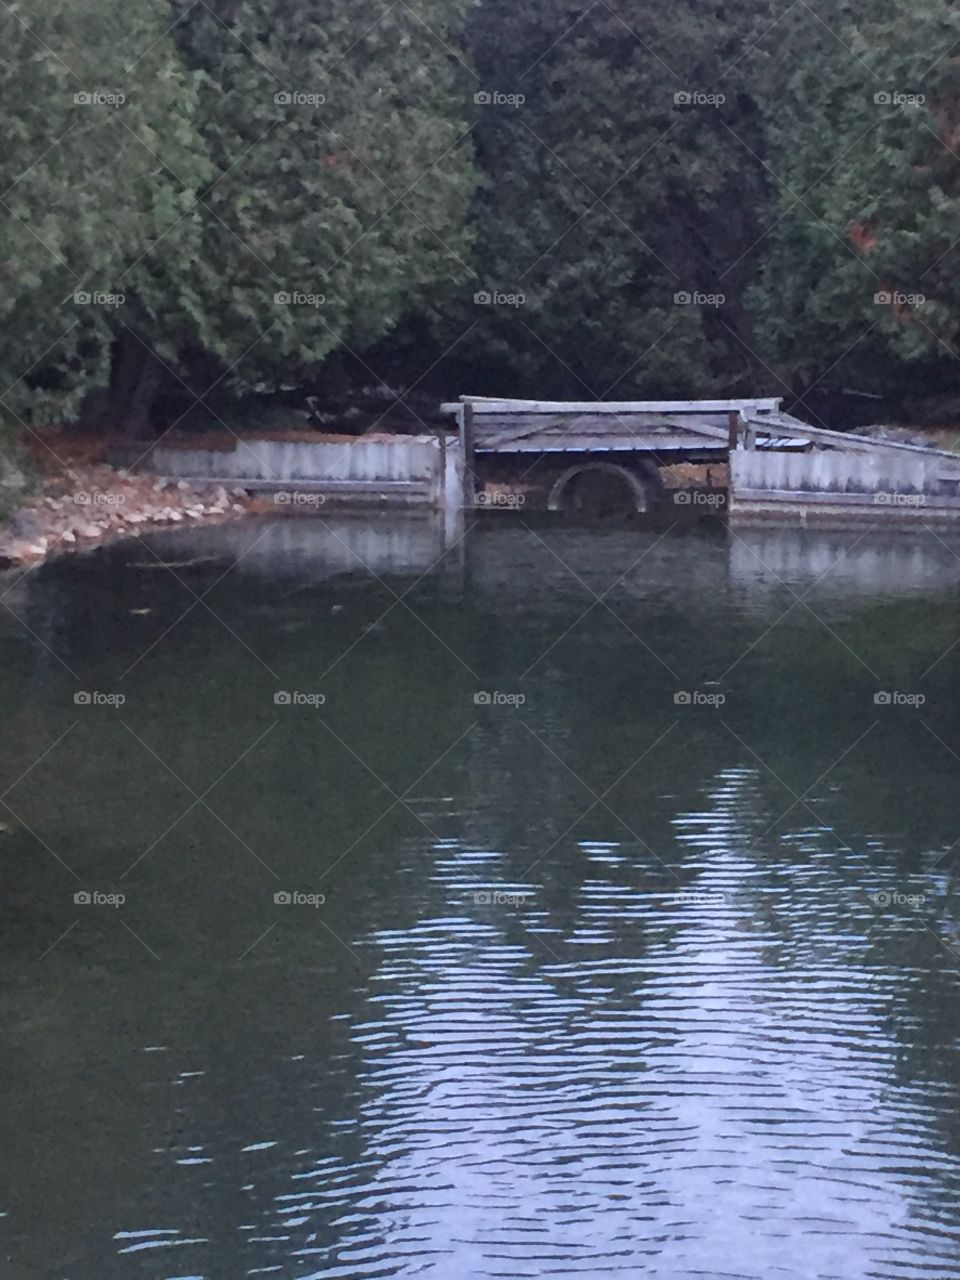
{"x": 859, "y": 283}
{"x": 341, "y": 178}
{"x": 629, "y": 178}
{"x": 99, "y": 160}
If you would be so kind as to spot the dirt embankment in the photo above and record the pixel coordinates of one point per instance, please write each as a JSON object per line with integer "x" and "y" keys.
{"x": 87, "y": 502}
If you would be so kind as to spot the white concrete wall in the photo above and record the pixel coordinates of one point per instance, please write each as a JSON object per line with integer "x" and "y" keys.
{"x": 410, "y": 459}
{"x": 831, "y": 471}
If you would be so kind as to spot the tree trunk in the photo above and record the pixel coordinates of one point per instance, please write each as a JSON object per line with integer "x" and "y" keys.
{"x": 134, "y": 382}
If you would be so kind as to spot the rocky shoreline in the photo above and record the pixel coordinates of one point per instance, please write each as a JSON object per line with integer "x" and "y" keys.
{"x": 91, "y": 503}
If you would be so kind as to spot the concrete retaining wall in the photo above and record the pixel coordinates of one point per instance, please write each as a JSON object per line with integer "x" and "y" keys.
{"x": 835, "y": 486}
{"x": 408, "y": 469}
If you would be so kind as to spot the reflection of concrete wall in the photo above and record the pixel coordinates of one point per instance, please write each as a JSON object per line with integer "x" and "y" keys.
{"x": 319, "y": 547}
{"x": 846, "y": 562}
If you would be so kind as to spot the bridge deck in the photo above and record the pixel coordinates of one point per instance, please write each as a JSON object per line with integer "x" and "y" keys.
{"x": 651, "y": 426}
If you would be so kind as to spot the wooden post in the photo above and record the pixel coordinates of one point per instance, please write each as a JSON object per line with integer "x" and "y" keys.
{"x": 733, "y": 419}
{"x": 466, "y": 443}
{"x": 440, "y": 491}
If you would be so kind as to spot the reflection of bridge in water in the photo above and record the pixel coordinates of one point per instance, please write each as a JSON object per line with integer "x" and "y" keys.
{"x": 650, "y": 563}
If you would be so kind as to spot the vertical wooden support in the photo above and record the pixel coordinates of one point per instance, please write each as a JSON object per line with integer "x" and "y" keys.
{"x": 733, "y": 419}
{"x": 466, "y": 443}
{"x": 440, "y": 488}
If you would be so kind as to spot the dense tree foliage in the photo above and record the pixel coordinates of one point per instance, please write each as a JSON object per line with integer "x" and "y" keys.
{"x": 860, "y": 266}
{"x": 100, "y": 161}
{"x": 245, "y": 198}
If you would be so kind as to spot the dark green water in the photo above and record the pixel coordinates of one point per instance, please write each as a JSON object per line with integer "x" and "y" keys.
{"x": 604, "y": 983}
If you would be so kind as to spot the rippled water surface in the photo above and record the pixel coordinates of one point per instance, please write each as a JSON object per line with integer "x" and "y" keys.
{"x": 638, "y": 947}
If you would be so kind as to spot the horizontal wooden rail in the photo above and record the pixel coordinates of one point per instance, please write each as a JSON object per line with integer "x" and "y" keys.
{"x": 482, "y": 405}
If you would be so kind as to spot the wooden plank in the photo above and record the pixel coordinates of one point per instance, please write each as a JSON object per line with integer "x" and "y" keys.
{"x": 571, "y": 443}
{"x": 469, "y": 454}
{"x": 784, "y": 425}
{"x": 733, "y": 423}
{"x": 481, "y": 405}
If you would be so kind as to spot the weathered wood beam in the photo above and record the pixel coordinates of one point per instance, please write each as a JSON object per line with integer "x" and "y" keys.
{"x": 784, "y": 425}
{"x": 483, "y": 405}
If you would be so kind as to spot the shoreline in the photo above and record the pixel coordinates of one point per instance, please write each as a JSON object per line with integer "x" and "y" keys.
{"x": 90, "y": 503}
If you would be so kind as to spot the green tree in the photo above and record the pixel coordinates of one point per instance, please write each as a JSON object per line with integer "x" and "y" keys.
{"x": 341, "y": 179}
{"x": 630, "y": 174}
{"x": 100, "y": 151}
{"x": 860, "y": 280}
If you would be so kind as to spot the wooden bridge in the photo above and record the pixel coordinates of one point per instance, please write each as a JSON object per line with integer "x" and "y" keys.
{"x": 768, "y": 462}
{"x": 551, "y": 447}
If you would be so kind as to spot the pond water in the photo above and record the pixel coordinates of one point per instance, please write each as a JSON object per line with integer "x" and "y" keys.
{"x": 558, "y": 902}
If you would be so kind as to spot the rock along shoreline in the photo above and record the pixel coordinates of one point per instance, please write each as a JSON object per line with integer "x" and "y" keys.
{"x": 93, "y": 502}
